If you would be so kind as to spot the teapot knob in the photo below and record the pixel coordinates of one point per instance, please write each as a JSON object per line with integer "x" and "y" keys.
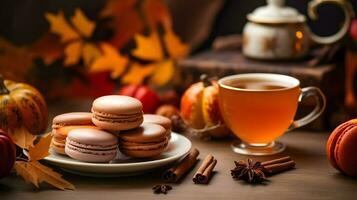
{"x": 277, "y": 3}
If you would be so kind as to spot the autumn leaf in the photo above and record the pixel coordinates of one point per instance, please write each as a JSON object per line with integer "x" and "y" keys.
{"x": 60, "y": 26}
{"x": 125, "y": 20}
{"x": 90, "y": 53}
{"x": 40, "y": 150}
{"x": 82, "y": 23}
{"x": 174, "y": 46}
{"x": 148, "y": 47}
{"x": 72, "y": 53}
{"x": 111, "y": 60}
{"x": 137, "y": 73}
{"x": 157, "y": 13}
{"x": 46, "y": 174}
{"x": 163, "y": 73}
{"x": 74, "y": 35}
{"x": 23, "y": 138}
{"x": 36, "y": 173}
{"x": 25, "y": 170}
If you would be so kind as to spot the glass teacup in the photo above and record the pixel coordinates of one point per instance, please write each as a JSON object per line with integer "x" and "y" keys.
{"x": 260, "y": 107}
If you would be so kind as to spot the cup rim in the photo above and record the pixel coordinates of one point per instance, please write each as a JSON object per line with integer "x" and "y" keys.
{"x": 273, "y": 76}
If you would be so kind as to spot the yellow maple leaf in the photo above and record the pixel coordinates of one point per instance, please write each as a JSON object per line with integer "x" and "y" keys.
{"x": 175, "y": 47}
{"x": 35, "y": 173}
{"x": 111, "y": 60}
{"x": 82, "y": 23}
{"x": 40, "y": 150}
{"x": 23, "y": 138}
{"x": 25, "y": 170}
{"x": 163, "y": 73}
{"x": 138, "y": 73}
{"x": 90, "y": 53}
{"x": 74, "y": 34}
{"x": 60, "y": 26}
{"x": 72, "y": 53}
{"x": 148, "y": 47}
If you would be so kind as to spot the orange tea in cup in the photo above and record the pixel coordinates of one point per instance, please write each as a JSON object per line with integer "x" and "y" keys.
{"x": 259, "y": 108}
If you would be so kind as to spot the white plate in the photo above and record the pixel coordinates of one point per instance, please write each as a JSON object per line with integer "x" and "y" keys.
{"x": 178, "y": 147}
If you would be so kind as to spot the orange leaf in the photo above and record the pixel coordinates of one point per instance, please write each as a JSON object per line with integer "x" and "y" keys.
{"x": 10, "y": 65}
{"x": 73, "y": 53}
{"x": 157, "y": 13}
{"x": 163, "y": 73}
{"x": 47, "y": 175}
{"x": 60, "y": 26}
{"x": 90, "y": 53}
{"x": 111, "y": 60}
{"x": 137, "y": 74}
{"x": 148, "y": 47}
{"x": 23, "y": 138}
{"x": 82, "y": 23}
{"x": 125, "y": 22}
{"x": 40, "y": 150}
{"x": 174, "y": 46}
{"x": 35, "y": 173}
{"x": 27, "y": 172}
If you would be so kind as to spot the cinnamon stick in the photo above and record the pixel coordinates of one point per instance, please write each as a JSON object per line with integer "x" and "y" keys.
{"x": 175, "y": 173}
{"x": 279, "y": 167}
{"x": 204, "y": 172}
{"x": 279, "y": 160}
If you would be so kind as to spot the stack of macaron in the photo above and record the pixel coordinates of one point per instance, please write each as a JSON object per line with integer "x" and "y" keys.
{"x": 115, "y": 121}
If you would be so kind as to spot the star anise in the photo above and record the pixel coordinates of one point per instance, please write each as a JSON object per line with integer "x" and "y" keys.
{"x": 161, "y": 188}
{"x": 249, "y": 171}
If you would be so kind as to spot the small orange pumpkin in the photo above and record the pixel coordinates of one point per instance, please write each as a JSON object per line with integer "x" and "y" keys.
{"x": 200, "y": 107}
{"x": 21, "y": 105}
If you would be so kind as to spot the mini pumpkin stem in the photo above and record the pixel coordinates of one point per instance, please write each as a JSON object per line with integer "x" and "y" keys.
{"x": 206, "y": 81}
{"x": 3, "y": 89}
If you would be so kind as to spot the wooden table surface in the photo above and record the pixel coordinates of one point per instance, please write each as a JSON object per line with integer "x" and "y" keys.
{"x": 313, "y": 177}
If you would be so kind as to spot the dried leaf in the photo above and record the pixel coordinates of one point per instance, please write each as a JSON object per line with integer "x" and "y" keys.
{"x": 40, "y": 150}
{"x": 148, "y": 47}
{"x": 82, "y": 23}
{"x": 111, "y": 60}
{"x": 35, "y": 173}
{"x": 26, "y": 171}
{"x": 174, "y": 46}
{"x": 73, "y": 53}
{"x": 90, "y": 53}
{"x": 60, "y": 26}
{"x": 10, "y": 65}
{"x": 137, "y": 73}
{"x": 163, "y": 73}
{"x": 125, "y": 22}
{"x": 23, "y": 138}
{"x": 157, "y": 13}
{"x": 47, "y": 175}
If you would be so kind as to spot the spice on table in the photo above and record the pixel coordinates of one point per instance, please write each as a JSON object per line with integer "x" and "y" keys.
{"x": 175, "y": 173}
{"x": 204, "y": 172}
{"x": 161, "y": 189}
{"x": 248, "y": 171}
{"x": 257, "y": 172}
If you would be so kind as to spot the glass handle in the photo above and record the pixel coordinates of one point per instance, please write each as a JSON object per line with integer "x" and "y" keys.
{"x": 316, "y": 112}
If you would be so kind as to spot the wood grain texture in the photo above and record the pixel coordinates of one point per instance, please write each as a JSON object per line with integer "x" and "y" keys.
{"x": 313, "y": 177}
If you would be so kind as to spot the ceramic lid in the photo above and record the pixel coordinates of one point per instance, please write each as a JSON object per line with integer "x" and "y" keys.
{"x": 276, "y": 12}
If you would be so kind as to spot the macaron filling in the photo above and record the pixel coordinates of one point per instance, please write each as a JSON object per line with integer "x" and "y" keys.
{"x": 121, "y": 118}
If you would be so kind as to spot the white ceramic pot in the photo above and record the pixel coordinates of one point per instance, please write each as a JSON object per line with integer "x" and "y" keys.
{"x": 277, "y": 32}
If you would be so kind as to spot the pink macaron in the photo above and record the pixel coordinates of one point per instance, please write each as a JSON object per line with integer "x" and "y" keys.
{"x": 91, "y": 145}
{"x": 116, "y": 112}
